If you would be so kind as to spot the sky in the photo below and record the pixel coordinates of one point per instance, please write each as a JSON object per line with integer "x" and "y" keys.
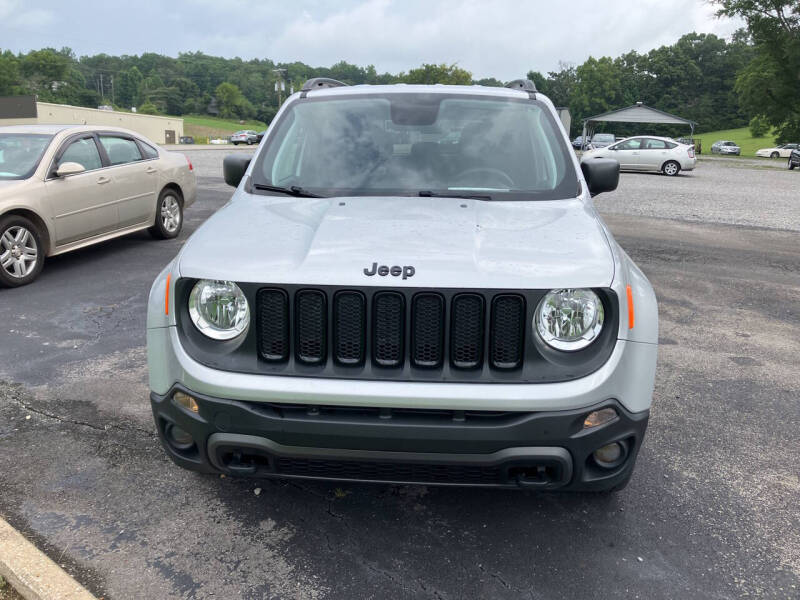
{"x": 490, "y": 38}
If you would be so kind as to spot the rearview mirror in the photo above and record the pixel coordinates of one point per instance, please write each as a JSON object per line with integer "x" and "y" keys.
{"x": 602, "y": 174}
{"x": 69, "y": 168}
{"x": 234, "y": 167}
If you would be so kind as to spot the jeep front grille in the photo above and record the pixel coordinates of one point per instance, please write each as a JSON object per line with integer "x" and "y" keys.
{"x": 391, "y": 329}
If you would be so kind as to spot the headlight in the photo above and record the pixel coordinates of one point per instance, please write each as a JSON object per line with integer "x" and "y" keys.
{"x": 569, "y": 319}
{"x": 219, "y": 309}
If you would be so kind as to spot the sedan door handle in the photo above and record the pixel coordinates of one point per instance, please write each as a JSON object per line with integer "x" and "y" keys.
{"x": 151, "y": 170}
{"x": 102, "y": 180}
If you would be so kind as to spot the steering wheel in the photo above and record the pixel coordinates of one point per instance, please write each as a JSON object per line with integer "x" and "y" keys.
{"x": 497, "y": 173}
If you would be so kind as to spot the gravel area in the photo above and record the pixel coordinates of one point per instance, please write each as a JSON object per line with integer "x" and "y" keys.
{"x": 729, "y": 191}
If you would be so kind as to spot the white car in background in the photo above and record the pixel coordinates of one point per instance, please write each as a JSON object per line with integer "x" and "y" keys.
{"x": 63, "y": 187}
{"x": 648, "y": 153}
{"x": 780, "y": 151}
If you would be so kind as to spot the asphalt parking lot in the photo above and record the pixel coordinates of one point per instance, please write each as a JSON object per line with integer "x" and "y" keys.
{"x": 712, "y": 510}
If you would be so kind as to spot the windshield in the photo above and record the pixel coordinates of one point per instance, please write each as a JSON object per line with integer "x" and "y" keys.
{"x": 20, "y": 154}
{"x": 419, "y": 144}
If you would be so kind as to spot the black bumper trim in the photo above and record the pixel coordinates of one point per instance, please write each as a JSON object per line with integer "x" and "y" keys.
{"x": 543, "y": 450}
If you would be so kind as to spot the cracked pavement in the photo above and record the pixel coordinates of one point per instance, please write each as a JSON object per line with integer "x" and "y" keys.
{"x": 711, "y": 512}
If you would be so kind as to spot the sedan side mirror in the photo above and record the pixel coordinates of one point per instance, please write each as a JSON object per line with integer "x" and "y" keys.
{"x": 602, "y": 174}
{"x": 69, "y": 168}
{"x": 234, "y": 167}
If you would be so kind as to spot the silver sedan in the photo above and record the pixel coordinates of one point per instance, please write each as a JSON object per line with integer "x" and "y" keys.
{"x": 63, "y": 187}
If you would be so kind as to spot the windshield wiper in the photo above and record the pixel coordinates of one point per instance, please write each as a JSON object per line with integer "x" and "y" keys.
{"x": 432, "y": 194}
{"x": 294, "y": 190}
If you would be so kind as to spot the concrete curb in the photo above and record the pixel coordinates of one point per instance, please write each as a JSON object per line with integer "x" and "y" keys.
{"x": 33, "y": 574}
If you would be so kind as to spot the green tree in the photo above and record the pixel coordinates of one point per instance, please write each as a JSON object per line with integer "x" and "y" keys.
{"x": 759, "y": 126}
{"x": 770, "y": 84}
{"x": 431, "y": 74}
{"x": 232, "y": 104}
{"x": 128, "y": 87}
{"x": 9, "y": 74}
{"x": 539, "y": 80}
{"x": 148, "y": 108}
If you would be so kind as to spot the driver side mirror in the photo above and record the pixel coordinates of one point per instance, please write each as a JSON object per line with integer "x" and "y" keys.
{"x": 234, "y": 167}
{"x": 602, "y": 174}
{"x": 69, "y": 168}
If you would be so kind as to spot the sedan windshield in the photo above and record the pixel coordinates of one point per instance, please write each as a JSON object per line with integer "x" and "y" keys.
{"x": 419, "y": 144}
{"x": 20, "y": 154}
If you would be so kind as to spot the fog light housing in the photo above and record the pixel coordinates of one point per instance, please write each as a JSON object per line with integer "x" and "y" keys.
{"x": 186, "y": 401}
{"x": 599, "y": 417}
{"x": 178, "y": 438}
{"x": 611, "y": 455}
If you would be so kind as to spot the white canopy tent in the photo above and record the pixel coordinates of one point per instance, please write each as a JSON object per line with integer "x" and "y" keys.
{"x": 638, "y": 113}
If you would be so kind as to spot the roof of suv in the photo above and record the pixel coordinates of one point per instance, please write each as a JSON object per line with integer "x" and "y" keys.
{"x": 403, "y": 88}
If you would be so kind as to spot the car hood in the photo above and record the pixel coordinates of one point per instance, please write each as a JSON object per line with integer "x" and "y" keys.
{"x": 449, "y": 242}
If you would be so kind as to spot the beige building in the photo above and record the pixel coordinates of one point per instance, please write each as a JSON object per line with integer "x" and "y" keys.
{"x": 24, "y": 110}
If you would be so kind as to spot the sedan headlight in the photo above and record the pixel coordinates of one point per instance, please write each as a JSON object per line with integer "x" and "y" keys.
{"x": 569, "y": 319}
{"x": 219, "y": 309}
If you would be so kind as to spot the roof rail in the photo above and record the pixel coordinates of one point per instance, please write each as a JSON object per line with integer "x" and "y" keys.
{"x": 524, "y": 85}
{"x": 317, "y": 83}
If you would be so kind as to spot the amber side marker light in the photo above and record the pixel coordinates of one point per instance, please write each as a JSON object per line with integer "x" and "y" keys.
{"x": 186, "y": 401}
{"x": 599, "y": 417}
{"x": 166, "y": 294}
{"x": 630, "y": 307}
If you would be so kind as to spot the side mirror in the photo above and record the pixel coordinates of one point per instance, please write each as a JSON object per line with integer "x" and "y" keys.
{"x": 69, "y": 168}
{"x": 602, "y": 174}
{"x": 233, "y": 168}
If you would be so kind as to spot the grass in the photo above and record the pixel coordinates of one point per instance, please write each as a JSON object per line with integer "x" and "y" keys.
{"x": 7, "y": 592}
{"x": 210, "y": 127}
{"x": 740, "y": 136}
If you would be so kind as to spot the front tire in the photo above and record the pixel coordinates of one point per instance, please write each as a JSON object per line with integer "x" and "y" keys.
{"x": 21, "y": 251}
{"x": 169, "y": 215}
{"x": 790, "y": 164}
{"x": 774, "y": 155}
{"x": 671, "y": 168}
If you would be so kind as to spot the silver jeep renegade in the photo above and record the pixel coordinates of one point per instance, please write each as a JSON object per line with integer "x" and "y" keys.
{"x": 410, "y": 284}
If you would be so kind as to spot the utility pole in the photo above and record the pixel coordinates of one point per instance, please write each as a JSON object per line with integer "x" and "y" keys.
{"x": 112, "y": 89}
{"x": 279, "y": 85}
{"x": 102, "y": 88}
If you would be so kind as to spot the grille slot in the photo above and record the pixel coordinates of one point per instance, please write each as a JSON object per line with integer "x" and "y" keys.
{"x": 508, "y": 331}
{"x": 384, "y": 471}
{"x": 388, "y": 312}
{"x": 311, "y": 326}
{"x": 349, "y": 325}
{"x": 466, "y": 331}
{"x": 427, "y": 330}
{"x": 273, "y": 325}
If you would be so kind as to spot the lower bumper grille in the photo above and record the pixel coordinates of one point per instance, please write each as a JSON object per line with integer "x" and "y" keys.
{"x": 377, "y": 471}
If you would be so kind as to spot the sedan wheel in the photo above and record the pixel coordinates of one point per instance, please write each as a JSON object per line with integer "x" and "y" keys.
{"x": 671, "y": 168}
{"x": 169, "y": 217}
{"x": 774, "y": 155}
{"x": 21, "y": 251}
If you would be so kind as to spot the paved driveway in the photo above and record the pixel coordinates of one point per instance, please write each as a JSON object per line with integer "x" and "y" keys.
{"x": 712, "y": 510}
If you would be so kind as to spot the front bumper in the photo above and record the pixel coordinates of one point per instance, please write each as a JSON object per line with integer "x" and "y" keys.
{"x": 545, "y": 450}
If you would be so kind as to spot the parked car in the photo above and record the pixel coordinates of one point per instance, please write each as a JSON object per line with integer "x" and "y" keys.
{"x": 187, "y": 139}
{"x": 244, "y": 137}
{"x": 63, "y": 187}
{"x": 577, "y": 143}
{"x": 780, "y": 151}
{"x": 794, "y": 159}
{"x": 438, "y": 314}
{"x": 648, "y": 153}
{"x": 260, "y": 135}
{"x": 725, "y": 147}
{"x": 602, "y": 140}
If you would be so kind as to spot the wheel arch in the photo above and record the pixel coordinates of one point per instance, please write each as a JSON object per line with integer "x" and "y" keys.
{"x": 671, "y": 160}
{"x": 175, "y": 187}
{"x": 37, "y": 220}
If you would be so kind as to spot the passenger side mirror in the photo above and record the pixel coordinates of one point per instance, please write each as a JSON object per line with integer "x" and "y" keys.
{"x": 234, "y": 167}
{"x": 602, "y": 174}
{"x": 69, "y": 168}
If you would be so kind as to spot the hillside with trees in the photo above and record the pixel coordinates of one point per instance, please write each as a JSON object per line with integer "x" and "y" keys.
{"x": 721, "y": 84}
